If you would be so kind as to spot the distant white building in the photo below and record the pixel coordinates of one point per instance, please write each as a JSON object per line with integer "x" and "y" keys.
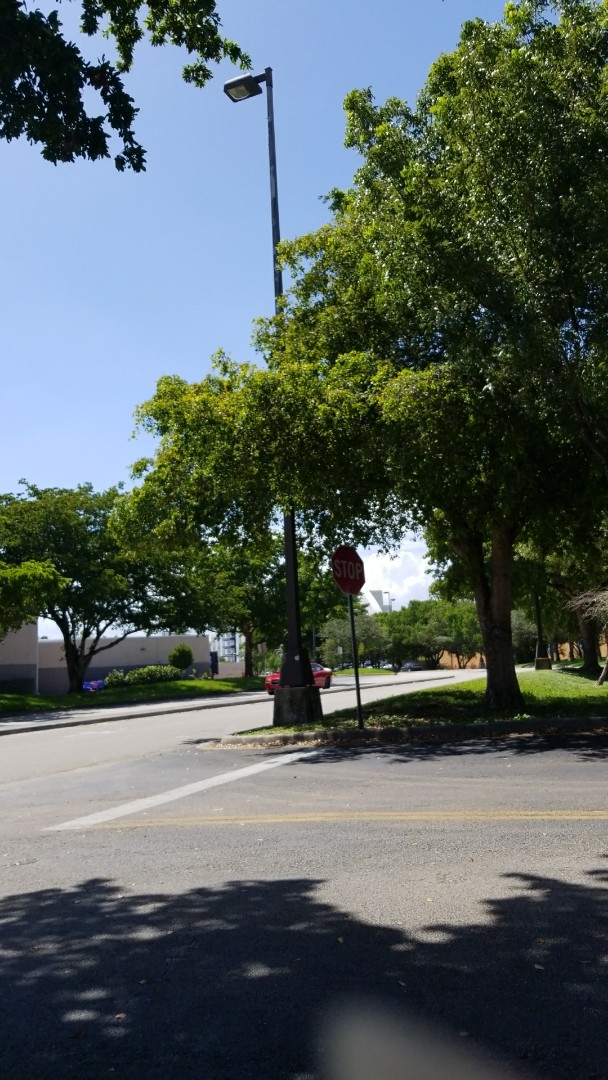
{"x": 378, "y": 600}
{"x": 227, "y": 646}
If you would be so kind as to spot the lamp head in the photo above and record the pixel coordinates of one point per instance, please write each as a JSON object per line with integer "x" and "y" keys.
{"x": 243, "y": 87}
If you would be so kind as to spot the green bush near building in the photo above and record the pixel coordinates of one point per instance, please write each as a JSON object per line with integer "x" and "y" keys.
{"x": 181, "y": 657}
{"x": 152, "y": 673}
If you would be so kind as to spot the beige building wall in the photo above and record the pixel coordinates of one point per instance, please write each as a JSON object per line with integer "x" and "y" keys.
{"x": 131, "y": 653}
{"x": 19, "y": 660}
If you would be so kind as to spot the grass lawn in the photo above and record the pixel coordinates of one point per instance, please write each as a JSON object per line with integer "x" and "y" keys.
{"x": 365, "y": 671}
{"x": 547, "y": 693}
{"x": 17, "y": 704}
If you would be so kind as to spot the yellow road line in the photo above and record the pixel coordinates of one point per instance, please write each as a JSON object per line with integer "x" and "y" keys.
{"x": 364, "y": 816}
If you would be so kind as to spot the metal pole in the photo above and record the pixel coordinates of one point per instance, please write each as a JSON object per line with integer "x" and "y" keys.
{"x": 274, "y": 192}
{"x": 353, "y": 638}
{"x": 295, "y": 667}
{"x": 542, "y": 651}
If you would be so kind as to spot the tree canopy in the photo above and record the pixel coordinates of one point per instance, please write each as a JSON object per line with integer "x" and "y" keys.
{"x": 439, "y": 358}
{"x": 46, "y": 81}
{"x": 67, "y": 561}
{"x": 25, "y": 590}
{"x": 372, "y": 640}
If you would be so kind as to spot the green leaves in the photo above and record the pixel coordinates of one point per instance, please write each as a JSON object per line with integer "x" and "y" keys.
{"x": 72, "y": 556}
{"x": 44, "y": 79}
{"x": 25, "y": 590}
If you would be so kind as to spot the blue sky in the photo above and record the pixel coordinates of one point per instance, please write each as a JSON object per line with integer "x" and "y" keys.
{"x": 111, "y": 280}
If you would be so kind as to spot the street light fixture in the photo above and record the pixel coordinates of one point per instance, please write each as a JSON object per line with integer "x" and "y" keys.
{"x": 296, "y": 700}
{"x": 245, "y": 86}
{"x": 391, "y": 600}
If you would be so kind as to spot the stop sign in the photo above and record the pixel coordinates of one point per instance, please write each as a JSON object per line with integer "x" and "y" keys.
{"x": 347, "y": 569}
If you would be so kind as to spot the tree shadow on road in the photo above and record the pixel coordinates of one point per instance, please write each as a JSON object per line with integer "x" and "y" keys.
{"x": 232, "y": 982}
{"x": 586, "y": 746}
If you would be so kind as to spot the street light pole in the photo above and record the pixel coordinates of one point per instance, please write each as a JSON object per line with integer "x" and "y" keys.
{"x": 295, "y": 667}
{"x": 300, "y": 701}
{"x": 274, "y": 191}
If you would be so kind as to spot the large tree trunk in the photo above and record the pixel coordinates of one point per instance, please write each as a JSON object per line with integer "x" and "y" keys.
{"x": 589, "y": 637}
{"x": 77, "y": 663}
{"x": 574, "y": 653}
{"x": 493, "y": 600}
{"x": 248, "y": 650}
{"x": 604, "y": 674}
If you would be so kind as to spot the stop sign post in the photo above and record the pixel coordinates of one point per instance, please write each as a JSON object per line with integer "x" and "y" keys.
{"x": 349, "y": 575}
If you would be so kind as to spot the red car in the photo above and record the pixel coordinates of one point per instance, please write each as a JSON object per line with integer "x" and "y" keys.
{"x": 321, "y": 675}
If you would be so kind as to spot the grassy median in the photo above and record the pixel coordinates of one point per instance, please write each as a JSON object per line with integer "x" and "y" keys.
{"x": 365, "y": 671}
{"x": 181, "y": 689}
{"x": 559, "y": 693}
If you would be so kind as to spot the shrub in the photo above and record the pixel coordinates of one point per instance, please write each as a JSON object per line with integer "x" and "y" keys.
{"x": 116, "y": 677}
{"x": 151, "y": 674}
{"x": 181, "y": 657}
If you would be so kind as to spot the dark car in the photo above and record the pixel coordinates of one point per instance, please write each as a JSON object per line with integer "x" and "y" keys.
{"x": 412, "y": 665}
{"x": 321, "y": 675}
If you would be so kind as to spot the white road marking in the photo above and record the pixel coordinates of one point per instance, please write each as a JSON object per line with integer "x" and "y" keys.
{"x": 138, "y": 805}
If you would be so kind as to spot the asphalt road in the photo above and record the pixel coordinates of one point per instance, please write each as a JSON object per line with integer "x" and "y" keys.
{"x": 120, "y": 733}
{"x": 184, "y": 912}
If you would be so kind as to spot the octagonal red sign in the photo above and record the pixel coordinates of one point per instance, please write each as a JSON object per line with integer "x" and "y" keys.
{"x": 347, "y": 569}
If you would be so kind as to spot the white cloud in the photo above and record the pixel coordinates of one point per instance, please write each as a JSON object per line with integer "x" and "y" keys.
{"x": 403, "y": 575}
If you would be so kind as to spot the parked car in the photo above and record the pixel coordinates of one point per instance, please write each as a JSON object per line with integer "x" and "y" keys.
{"x": 321, "y": 675}
{"x": 412, "y": 665}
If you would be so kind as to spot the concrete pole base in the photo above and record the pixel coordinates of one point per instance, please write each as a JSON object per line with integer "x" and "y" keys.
{"x": 297, "y": 705}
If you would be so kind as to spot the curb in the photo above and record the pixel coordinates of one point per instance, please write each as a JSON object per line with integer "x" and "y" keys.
{"x": 418, "y": 732}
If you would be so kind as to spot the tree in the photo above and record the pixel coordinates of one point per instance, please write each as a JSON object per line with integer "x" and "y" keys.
{"x": 336, "y": 647}
{"x": 372, "y": 638}
{"x": 438, "y": 330}
{"x": 97, "y": 582}
{"x": 424, "y": 629}
{"x": 462, "y": 631}
{"x": 46, "y": 81}
{"x": 471, "y": 461}
{"x": 594, "y": 604}
{"x": 254, "y": 603}
{"x": 251, "y": 578}
{"x": 449, "y": 254}
{"x": 181, "y": 657}
{"x": 187, "y": 507}
{"x": 524, "y": 636}
{"x": 24, "y": 590}
{"x": 557, "y": 565}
